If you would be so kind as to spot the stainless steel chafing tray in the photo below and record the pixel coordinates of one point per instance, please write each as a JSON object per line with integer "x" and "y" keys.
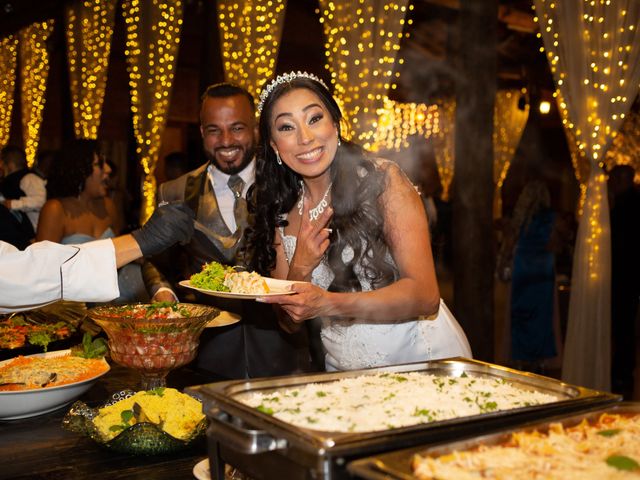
{"x": 397, "y": 465}
{"x": 265, "y": 447}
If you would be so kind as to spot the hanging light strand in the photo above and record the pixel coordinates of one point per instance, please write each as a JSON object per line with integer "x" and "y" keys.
{"x": 509, "y": 120}
{"x": 250, "y": 34}
{"x": 34, "y": 71}
{"x": 8, "y": 60}
{"x": 89, "y": 31}
{"x": 443, "y": 144}
{"x": 153, "y": 36}
{"x": 362, "y": 42}
{"x": 398, "y": 121}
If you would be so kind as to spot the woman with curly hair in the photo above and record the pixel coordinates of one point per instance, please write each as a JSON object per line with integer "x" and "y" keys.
{"x": 351, "y": 229}
{"x": 78, "y": 209}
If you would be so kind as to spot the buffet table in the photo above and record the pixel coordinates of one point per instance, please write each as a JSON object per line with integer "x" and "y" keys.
{"x": 39, "y": 448}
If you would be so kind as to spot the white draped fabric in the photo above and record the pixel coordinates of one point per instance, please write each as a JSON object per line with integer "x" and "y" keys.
{"x": 362, "y": 43}
{"x": 592, "y": 47}
{"x": 250, "y": 33}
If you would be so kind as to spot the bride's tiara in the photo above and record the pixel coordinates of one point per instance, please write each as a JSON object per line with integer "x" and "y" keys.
{"x": 285, "y": 77}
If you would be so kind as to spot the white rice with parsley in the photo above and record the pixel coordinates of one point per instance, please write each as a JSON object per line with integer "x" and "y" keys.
{"x": 390, "y": 400}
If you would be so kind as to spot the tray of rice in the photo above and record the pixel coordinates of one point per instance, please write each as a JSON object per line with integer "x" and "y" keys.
{"x": 312, "y": 425}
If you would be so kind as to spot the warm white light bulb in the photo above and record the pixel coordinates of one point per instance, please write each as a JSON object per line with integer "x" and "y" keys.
{"x": 545, "y": 107}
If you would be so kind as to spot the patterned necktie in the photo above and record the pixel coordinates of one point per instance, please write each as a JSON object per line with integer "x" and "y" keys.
{"x": 236, "y": 184}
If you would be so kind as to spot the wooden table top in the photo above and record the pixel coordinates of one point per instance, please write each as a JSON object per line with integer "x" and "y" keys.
{"x": 39, "y": 448}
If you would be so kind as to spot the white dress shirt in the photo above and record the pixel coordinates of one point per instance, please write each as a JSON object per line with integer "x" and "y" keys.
{"x": 225, "y": 197}
{"x": 46, "y": 272}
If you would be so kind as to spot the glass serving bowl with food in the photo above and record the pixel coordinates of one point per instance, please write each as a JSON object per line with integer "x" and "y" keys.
{"x": 151, "y": 422}
{"x": 153, "y": 338}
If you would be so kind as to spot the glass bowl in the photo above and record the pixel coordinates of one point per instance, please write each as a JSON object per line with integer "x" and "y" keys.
{"x": 140, "y": 439}
{"x": 153, "y": 338}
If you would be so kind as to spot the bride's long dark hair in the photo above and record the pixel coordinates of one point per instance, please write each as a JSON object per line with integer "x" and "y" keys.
{"x": 357, "y": 217}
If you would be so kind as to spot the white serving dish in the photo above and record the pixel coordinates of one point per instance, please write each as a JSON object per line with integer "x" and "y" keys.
{"x": 29, "y": 403}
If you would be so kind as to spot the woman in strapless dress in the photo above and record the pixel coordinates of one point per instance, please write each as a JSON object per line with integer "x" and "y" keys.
{"x": 352, "y": 228}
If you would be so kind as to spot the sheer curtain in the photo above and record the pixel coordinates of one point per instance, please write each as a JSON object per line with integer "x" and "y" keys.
{"x": 153, "y": 37}
{"x": 34, "y": 71}
{"x": 592, "y": 48}
{"x": 363, "y": 39}
{"x": 89, "y": 28}
{"x": 509, "y": 121}
{"x": 250, "y": 34}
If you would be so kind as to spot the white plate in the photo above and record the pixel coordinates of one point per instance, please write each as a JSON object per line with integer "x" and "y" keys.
{"x": 29, "y": 403}
{"x": 223, "y": 319}
{"x": 201, "y": 470}
{"x": 276, "y": 287}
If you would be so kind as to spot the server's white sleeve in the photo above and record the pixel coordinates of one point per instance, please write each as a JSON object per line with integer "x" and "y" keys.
{"x": 46, "y": 272}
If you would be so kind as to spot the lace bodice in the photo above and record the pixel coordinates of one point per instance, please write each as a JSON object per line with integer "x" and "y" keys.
{"x": 353, "y": 343}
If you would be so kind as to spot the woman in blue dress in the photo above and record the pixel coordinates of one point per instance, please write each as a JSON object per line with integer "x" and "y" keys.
{"x": 533, "y": 278}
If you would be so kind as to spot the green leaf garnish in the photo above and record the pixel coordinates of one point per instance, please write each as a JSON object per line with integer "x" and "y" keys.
{"x": 320, "y": 393}
{"x": 609, "y": 433}
{"x": 622, "y": 463}
{"x": 126, "y": 416}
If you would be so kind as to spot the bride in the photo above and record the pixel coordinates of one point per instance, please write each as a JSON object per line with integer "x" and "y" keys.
{"x": 351, "y": 225}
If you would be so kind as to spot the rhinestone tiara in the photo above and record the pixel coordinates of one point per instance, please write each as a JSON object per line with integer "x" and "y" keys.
{"x": 285, "y": 77}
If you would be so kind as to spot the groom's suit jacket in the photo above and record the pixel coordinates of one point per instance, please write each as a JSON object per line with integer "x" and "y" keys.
{"x": 255, "y": 346}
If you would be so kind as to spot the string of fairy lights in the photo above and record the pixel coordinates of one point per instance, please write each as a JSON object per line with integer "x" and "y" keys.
{"x": 8, "y": 61}
{"x": 398, "y": 121}
{"x": 34, "y": 71}
{"x": 443, "y": 141}
{"x": 594, "y": 62}
{"x": 153, "y": 36}
{"x": 250, "y": 33}
{"x": 509, "y": 121}
{"x": 362, "y": 43}
{"x": 89, "y": 30}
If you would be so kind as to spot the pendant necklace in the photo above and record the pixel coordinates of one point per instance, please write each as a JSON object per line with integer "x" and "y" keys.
{"x": 315, "y": 212}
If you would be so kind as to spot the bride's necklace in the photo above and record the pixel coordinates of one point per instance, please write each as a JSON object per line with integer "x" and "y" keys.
{"x": 315, "y": 212}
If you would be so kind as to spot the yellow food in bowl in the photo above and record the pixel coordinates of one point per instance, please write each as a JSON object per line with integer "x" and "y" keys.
{"x": 176, "y": 413}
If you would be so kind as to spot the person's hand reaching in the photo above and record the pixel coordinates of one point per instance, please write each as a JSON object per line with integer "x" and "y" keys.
{"x": 169, "y": 224}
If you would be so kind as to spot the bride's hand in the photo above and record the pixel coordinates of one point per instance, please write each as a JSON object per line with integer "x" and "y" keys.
{"x": 312, "y": 242}
{"x": 309, "y": 301}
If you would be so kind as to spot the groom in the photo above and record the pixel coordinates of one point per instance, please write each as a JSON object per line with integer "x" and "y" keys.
{"x": 217, "y": 192}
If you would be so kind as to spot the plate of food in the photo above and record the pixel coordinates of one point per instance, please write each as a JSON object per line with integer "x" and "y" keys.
{"x": 41, "y": 383}
{"x": 221, "y": 281}
{"x": 54, "y": 327}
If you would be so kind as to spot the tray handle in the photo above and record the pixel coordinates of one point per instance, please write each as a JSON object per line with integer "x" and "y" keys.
{"x": 245, "y": 440}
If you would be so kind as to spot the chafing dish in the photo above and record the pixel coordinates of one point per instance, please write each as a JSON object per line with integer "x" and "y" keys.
{"x": 265, "y": 447}
{"x": 397, "y": 465}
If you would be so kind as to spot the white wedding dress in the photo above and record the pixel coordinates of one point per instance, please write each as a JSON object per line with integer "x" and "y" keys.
{"x": 353, "y": 343}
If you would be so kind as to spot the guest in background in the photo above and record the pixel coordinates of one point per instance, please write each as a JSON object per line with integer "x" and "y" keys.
{"x": 23, "y": 194}
{"x": 527, "y": 249}
{"x": 45, "y": 162}
{"x": 625, "y": 275}
{"x": 78, "y": 209}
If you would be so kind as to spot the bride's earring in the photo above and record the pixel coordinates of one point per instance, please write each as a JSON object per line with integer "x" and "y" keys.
{"x": 278, "y": 159}
{"x": 339, "y": 142}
